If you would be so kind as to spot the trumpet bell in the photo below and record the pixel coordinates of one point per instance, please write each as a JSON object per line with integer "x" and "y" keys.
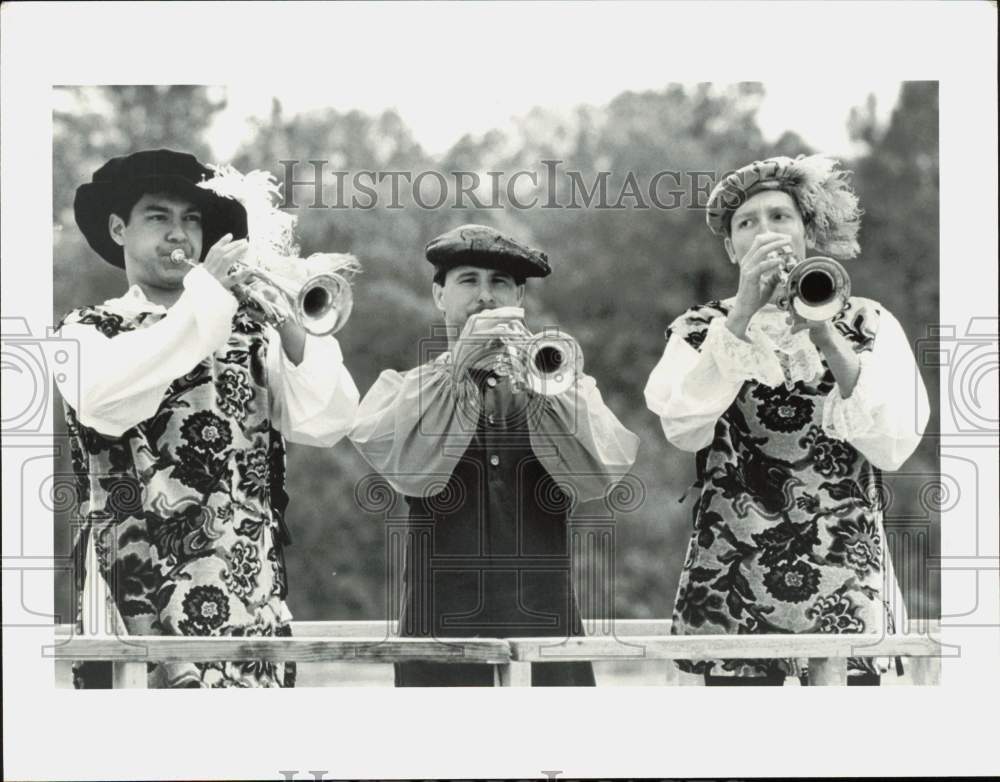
{"x": 817, "y": 288}
{"x": 554, "y": 362}
{"x": 324, "y": 304}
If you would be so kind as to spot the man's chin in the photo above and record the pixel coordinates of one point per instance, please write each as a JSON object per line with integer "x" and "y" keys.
{"x": 173, "y": 277}
{"x": 174, "y": 268}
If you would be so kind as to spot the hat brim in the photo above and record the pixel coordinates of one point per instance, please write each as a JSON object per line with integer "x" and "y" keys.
{"x": 734, "y": 190}
{"x": 519, "y": 268}
{"x": 486, "y": 248}
{"x": 94, "y": 202}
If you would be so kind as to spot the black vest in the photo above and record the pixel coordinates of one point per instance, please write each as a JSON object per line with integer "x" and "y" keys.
{"x": 488, "y": 556}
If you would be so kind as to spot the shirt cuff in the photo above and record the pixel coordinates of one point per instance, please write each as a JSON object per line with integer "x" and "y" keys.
{"x": 306, "y": 389}
{"x": 213, "y": 306}
{"x": 739, "y": 360}
{"x": 318, "y": 354}
{"x": 848, "y": 418}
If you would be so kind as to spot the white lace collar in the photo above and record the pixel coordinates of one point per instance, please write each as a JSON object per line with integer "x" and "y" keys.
{"x": 796, "y": 353}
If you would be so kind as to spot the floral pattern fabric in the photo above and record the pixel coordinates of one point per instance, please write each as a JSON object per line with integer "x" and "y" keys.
{"x": 185, "y": 509}
{"x": 788, "y": 534}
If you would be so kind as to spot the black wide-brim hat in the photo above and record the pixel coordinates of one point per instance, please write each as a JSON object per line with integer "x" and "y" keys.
{"x": 153, "y": 171}
{"x": 480, "y": 245}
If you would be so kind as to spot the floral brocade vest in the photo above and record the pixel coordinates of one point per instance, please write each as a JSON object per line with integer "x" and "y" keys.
{"x": 788, "y": 534}
{"x": 185, "y": 508}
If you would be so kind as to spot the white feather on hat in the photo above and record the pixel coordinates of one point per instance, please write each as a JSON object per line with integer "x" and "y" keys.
{"x": 270, "y": 231}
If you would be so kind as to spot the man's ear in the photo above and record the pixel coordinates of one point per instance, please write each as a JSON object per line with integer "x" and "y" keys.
{"x": 437, "y": 291}
{"x": 731, "y": 251}
{"x": 520, "y": 294}
{"x": 116, "y": 227}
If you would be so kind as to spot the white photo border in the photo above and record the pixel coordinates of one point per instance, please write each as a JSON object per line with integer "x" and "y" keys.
{"x": 351, "y": 733}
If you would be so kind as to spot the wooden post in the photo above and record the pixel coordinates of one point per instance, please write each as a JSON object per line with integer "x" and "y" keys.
{"x": 129, "y": 676}
{"x": 671, "y": 679}
{"x": 64, "y": 674}
{"x": 827, "y": 671}
{"x": 924, "y": 670}
{"x": 513, "y": 674}
{"x": 689, "y": 679}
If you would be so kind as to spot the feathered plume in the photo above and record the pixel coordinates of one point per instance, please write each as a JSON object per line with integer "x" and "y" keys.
{"x": 825, "y": 197}
{"x": 271, "y": 232}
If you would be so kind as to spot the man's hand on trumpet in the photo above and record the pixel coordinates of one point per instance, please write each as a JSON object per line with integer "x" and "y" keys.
{"x": 262, "y": 302}
{"x": 267, "y": 305}
{"x": 761, "y": 270}
{"x": 485, "y": 334}
{"x": 821, "y": 332}
{"x": 546, "y": 363}
{"x": 501, "y": 323}
{"x": 220, "y": 259}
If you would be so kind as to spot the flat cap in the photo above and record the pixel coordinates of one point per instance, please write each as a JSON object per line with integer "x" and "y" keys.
{"x": 480, "y": 245}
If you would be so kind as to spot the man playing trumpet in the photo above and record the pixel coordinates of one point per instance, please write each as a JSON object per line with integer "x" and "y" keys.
{"x": 489, "y": 460}
{"x": 185, "y": 401}
{"x": 792, "y": 420}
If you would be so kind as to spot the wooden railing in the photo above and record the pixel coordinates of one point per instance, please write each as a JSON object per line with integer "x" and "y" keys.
{"x": 625, "y": 640}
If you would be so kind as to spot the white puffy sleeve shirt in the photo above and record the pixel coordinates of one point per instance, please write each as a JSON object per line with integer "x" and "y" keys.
{"x": 412, "y": 427}
{"x": 691, "y": 388}
{"x": 122, "y": 379}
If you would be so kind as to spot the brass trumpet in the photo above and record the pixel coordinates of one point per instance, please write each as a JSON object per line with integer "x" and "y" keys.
{"x": 554, "y": 361}
{"x": 548, "y": 363}
{"x": 320, "y": 303}
{"x": 817, "y": 288}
